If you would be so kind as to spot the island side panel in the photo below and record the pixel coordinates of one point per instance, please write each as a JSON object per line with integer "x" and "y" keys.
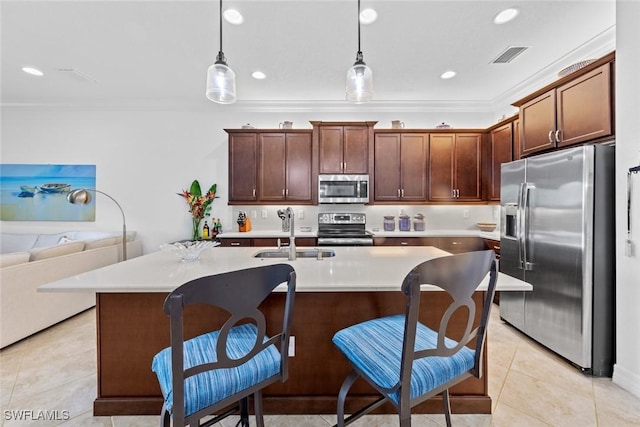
{"x": 132, "y": 328}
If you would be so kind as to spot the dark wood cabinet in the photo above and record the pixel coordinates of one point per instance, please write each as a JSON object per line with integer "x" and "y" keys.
{"x": 406, "y": 241}
{"x": 449, "y": 244}
{"x": 231, "y": 242}
{"x": 577, "y": 110}
{"x": 266, "y": 241}
{"x": 343, "y": 148}
{"x": 270, "y": 166}
{"x": 284, "y": 169}
{"x": 457, "y": 245}
{"x": 517, "y": 146}
{"x": 584, "y": 108}
{"x": 400, "y": 167}
{"x": 243, "y": 162}
{"x": 455, "y": 161}
{"x": 500, "y": 151}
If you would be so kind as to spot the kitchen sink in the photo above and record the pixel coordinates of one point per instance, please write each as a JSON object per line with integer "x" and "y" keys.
{"x": 300, "y": 253}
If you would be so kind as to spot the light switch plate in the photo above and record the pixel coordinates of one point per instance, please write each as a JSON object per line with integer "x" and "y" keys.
{"x": 263, "y": 214}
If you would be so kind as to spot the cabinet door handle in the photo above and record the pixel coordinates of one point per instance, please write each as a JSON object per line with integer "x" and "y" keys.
{"x": 453, "y": 193}
{"x": 551, "y": 136}
{"x": 235, "y": 243}
{"x": 398, "y": 193}
{"x": 497, "y": 248}
{"x": 404, "y": 243}
{"x": 402, "y": 193}
{"x": 283, "y": 192}
{"x": 287, "y": 193}
{"x": 254, "y": 192}
{"x": 558, "y": 135}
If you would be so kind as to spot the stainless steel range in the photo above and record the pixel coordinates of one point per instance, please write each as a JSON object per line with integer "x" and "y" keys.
{"x": 343, "y": 229}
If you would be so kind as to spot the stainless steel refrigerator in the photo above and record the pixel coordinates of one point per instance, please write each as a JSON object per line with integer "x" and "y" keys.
{"x": 558, "y": 234}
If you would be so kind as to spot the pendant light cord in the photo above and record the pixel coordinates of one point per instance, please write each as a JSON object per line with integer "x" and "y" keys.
{"x": 358, "y": 25}
{"x": 220, "y": 59}
{"x": 221, "y": 25}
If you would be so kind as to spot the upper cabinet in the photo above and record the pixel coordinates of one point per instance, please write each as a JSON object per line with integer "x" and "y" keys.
{"x": 574, "y": 110}
{"x": 243, "y": 167}
{"x": 500, "y": 150}
{"x": 343, "y": 147}
{"x": 270, "y": 166}
{"x": 284, "y": 169}
{"x": 455, "y": 161}
{"x": 400, "y": 167}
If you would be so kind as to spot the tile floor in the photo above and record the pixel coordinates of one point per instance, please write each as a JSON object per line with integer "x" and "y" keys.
{"x": 55, "y": 370}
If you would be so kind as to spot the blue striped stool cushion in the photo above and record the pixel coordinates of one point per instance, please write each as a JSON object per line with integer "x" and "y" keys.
{"x": 210, "y": 387}
{"x": 375, "y": 347}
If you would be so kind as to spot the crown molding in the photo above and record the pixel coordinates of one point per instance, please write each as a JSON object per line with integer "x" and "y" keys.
{"x": 595, "y": 48}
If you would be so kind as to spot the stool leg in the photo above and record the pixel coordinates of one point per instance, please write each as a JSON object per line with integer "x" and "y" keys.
{"x": 446, "y": 405}
{"x": 257, "y": 408}
{"x": 342, "y": 396}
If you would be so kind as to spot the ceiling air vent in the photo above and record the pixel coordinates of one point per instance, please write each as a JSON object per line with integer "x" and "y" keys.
{"x": 509, "y": 54}
{"x": 78, "y": 75}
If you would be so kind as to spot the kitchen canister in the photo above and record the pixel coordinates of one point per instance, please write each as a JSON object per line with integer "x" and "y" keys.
{"x": 418, "y": 222}
{"x": 404, "y": 223}
{"x": 389, "y": 223}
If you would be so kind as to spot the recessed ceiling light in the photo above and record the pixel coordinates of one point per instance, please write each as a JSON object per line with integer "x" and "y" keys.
{"x": 506, "y": 15}
{"x": 447, "y": 74}
{"x": 258, "y": 75}
{"x": 232, "y": 16}
{"x": 368, "y": 16}
{"x": 33, "y": 71}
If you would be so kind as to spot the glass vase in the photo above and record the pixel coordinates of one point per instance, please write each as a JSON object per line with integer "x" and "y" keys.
{"x": 195, "y": 233}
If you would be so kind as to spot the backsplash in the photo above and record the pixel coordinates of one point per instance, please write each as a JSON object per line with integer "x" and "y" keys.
{"x": 436, "y": 217}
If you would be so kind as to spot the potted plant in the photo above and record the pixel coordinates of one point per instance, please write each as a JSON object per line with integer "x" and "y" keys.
{"x": 199, "y": 205}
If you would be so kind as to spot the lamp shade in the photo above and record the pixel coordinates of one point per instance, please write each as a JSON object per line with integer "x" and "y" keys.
{"x": 359, "y": 83}
{"x": 221, "y": 83}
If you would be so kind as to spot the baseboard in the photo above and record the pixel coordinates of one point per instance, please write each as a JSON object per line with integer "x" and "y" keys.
{"x": 626, "y": 379}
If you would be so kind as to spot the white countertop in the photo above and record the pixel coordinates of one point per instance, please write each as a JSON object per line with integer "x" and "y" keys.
{"x": 375, "y": 268}
{"x": 494, "y": 235}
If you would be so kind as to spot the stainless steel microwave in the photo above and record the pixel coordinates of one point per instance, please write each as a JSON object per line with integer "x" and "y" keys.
{"x": 343, "y": 189}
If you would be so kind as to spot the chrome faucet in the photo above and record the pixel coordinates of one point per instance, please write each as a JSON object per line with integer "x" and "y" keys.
{"x": 292, "y": 237}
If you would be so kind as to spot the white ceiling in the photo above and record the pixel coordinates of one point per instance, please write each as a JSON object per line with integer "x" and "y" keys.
{"x": 157, "y": 52}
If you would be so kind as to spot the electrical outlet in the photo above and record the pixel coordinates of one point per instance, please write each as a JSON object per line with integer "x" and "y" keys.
{"x": 263, "y": 214}
{"x": 300, "y": 214}
{"x": 254, "y": 214}
{"x": 465, "y": 213}
{"x": 292, "y": 346}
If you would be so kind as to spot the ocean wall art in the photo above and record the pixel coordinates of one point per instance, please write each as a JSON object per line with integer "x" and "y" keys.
{"x": 39, "y": 192}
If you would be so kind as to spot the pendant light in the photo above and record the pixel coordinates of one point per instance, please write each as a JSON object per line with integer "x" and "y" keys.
{"x": 360, "y": 76}
{"x": 221, "y": 80}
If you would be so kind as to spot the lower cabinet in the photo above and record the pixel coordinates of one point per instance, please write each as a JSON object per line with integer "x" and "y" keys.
{"x": 450, "y": 244}
{"x": 495, "y": 246}
{"x": 265, "y": 241}
{"x": 406, "y": 241}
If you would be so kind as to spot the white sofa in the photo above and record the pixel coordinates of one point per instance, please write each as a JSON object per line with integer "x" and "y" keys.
{"x": 28, "y": 261}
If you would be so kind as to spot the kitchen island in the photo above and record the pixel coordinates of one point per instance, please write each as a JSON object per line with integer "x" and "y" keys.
{"x": 357, "y": 284}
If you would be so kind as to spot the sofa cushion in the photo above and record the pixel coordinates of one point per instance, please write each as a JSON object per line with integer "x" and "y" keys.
{"x": 55, "y": 251}
{"x": 11, "y": 242}
{"x": 100, "y": 243}
{"x": 46, "y": 240}
{"x": 14, "y": 258}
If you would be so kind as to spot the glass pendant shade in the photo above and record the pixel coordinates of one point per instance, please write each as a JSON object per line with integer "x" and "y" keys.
{"x": 359, "y": 83}
{"x": 221, "y": 83}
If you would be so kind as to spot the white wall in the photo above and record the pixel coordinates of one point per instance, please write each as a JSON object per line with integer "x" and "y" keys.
{"x": 144, "y": 157}
{"x": 627, "y": 368}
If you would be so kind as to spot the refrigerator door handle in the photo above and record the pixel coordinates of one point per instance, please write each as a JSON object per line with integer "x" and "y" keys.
{"x": 520, "y": 219}
{"x": 526, "y": 196}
